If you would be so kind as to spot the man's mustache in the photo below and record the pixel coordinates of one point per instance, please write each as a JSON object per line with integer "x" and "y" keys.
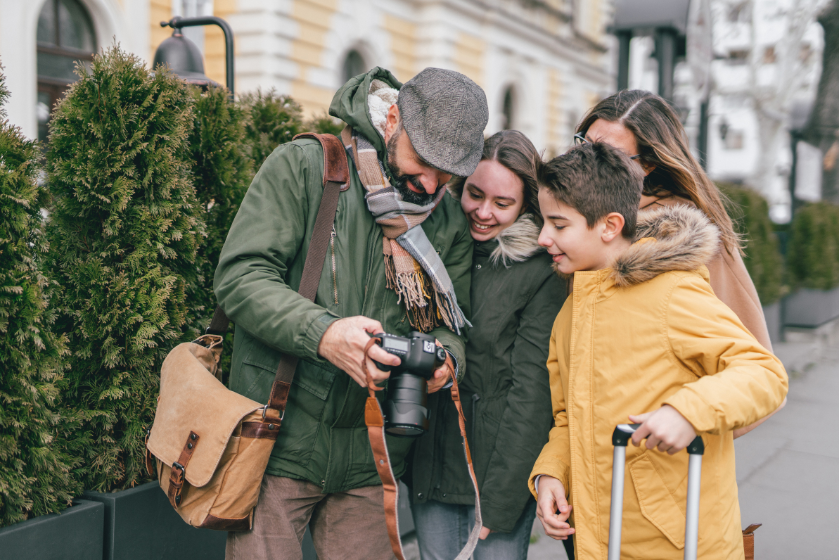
{"x": 414, "y": 180}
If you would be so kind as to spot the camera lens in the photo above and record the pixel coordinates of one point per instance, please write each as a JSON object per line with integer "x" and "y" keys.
{"x": 406, "y": 412}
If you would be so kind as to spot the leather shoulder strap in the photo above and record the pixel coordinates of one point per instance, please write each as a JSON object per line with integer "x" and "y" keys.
{"x": 336, "y": 179}
{"x": 375, "y": 422}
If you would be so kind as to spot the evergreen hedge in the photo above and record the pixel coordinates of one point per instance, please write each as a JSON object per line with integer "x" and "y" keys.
{"x": 123, "y": 235}
{"x": 273, "y": 119}
{"x": 324, "y": 124}
{"x": 812, "y": 252}
{"x": 35, "y": 473}
{"x": 222, "y": 171}
{"x": 751, "y": 215}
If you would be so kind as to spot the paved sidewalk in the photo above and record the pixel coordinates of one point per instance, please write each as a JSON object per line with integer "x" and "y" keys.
{"x": 787, "y": 469}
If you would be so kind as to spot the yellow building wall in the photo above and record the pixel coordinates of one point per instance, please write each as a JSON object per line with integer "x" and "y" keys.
{"x": 159, "y": 10}
{"x": 403, "y": 47}
{"x": 313, "y": 18}
{"x": 214, "y": 42}
{"x": 469, "y": 57}
{"x": 554, "y": 114}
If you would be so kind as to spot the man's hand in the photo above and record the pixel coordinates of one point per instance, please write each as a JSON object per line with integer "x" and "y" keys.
{"x": 485, "y": 532}
{"x": 553, "y": 509}
{"x": 343, "y": 345}
{"x": 666, "y": 429}
{"x": 442, "y": 374}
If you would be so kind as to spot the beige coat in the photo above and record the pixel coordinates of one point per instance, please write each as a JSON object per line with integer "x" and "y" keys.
{"x": 729, "y": 279}
{"x": 648, "y": 332}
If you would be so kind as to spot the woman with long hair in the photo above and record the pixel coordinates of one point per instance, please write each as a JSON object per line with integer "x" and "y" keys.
{"x": 645, "y": 127}
{"x": 515, "y": 298}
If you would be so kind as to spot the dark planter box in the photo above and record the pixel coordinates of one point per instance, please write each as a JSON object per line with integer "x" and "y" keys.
{"x": 140, "y": 524}
{"x": 810, "y": 308}
{"x": 773, "y": 318}
{"x": 74, "y": 533}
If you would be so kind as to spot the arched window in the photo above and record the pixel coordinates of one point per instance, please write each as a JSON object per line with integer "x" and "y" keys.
{"x": 65, "y": 35}
{"x": 354, "y": 65}
{"x": 508, "y": 104}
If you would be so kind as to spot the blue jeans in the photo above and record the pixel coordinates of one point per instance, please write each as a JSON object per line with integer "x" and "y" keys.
{"x": 443, "y": 530}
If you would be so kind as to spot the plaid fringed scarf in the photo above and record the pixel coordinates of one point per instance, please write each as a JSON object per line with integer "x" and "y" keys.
{"x": 412, "y": 267}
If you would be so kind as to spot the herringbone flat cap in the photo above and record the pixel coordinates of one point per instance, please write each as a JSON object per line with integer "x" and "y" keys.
{"x": 444, "y": 114}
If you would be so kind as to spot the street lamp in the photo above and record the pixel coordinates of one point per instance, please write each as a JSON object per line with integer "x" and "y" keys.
{"x": 184, "y": 58}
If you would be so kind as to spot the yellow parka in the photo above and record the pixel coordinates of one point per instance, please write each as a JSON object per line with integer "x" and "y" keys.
{"x": 648, "y": 332}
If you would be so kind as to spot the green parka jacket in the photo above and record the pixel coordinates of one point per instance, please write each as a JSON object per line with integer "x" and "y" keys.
{"x": 323, "y": 437}
{"x": 506, "y": 394}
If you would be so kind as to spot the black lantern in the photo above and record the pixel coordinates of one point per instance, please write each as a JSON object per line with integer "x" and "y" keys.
{"x": 184, "y": 58}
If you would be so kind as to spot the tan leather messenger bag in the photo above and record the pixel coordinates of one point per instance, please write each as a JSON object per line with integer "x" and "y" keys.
{"x": 209, "y": 447}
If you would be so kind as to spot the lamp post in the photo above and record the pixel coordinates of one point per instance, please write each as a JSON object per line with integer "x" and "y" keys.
{"x": 184, "y": 58}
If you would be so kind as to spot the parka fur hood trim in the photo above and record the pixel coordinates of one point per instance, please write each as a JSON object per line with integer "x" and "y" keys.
{"x": 683, "y": 239}
{"x": 517, "y": 242}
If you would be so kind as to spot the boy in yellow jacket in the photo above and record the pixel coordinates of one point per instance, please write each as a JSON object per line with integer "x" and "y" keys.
{"x": 642, "y": 338}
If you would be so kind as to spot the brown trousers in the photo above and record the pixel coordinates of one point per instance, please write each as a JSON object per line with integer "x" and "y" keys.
{"x": 345, "y": 525}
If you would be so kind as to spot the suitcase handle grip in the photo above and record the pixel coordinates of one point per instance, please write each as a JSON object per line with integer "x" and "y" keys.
{"x": 623, "y": 432}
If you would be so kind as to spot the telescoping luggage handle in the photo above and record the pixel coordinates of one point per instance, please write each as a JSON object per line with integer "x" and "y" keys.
{"x": 621, "y": 436}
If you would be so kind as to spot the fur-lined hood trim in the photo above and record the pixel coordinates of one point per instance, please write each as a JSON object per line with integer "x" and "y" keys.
{"x": 683, "y": 238}
{"x": 518, "y": 242}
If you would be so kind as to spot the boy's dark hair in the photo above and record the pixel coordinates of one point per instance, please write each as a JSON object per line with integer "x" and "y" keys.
{"x": 596, "y": 179}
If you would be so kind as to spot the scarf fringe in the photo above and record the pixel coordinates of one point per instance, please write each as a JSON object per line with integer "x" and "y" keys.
{"x": 414, "y": 288}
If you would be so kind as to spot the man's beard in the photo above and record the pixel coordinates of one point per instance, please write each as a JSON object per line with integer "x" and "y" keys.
{"x": 400, "y": 181}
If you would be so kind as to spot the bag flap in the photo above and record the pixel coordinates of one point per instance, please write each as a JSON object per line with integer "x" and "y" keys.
{"x": 192, "y": 399}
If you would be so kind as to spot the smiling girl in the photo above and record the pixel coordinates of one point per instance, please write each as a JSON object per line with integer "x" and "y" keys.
{"x": 515, "y": 298}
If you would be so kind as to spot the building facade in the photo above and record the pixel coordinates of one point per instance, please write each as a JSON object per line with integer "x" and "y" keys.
{"x": 760, "y": 60}
{"x": 542, "y": 63}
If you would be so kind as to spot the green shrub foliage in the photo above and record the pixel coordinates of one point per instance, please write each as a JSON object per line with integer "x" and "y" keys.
{"x": 750, "y": 213}
{"x": 812, "y": 252}
{"x": 324, "y": 124}
{"x": 35, "y": 474}
{"x": 222, "y": 171}
{"x": 123, "y": 236}
{"x": 273, "y": 120}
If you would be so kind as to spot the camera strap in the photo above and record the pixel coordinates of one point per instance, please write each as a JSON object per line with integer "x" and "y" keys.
{"x": 375, "y": 422}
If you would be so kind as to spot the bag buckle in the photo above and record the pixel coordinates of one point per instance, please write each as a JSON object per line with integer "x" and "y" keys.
{"x": 265, "y": 409}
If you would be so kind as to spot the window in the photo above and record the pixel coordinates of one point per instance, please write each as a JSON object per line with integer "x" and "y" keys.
{"x": 354, "y": 65}
{"x": 734, "y": 140}
{"x": 508, "y": 104}
{"x": 738, "y": 56}
{"x": 739, "y": 13}
{"x": 65, "y": 36}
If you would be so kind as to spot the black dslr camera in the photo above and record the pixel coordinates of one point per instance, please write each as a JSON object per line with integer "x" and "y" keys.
{"x": 405, "y": 410}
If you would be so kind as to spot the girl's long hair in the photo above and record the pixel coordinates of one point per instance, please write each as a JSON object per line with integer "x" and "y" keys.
{"x": 514, "y": 151}
{"x": 662, "y": 143}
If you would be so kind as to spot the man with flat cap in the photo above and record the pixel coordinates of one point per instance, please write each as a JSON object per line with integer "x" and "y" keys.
{"x": 398, "y": 260}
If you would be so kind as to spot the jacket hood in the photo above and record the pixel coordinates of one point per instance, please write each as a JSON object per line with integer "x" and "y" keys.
{"x": 669, "y": 238}
{"x": 350, "y": 104}
{"x": 517, "y": 242}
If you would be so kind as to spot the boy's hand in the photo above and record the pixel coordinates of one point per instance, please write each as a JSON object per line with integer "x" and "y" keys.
{"x": 666, "y": 429}
{"x": 553, "y": 509}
